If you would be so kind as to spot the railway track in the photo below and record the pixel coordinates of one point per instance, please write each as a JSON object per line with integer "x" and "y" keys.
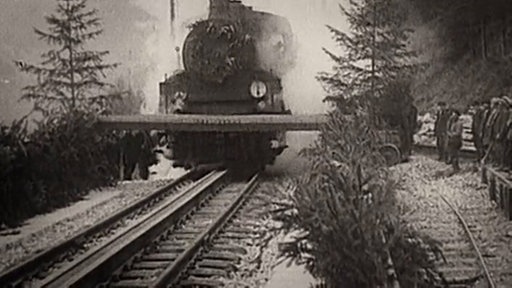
{"x": 235, "y": 255}
{"x": 44, "y": 263}
{"x": 464, "y": 263}
{"x": 148, "y": 245}
{"x": 458, "y": 223}
{"x": 163, "y": 261}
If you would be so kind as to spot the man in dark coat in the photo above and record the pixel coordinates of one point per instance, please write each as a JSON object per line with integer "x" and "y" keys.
{"x": 454, "y": 136}
{"x": 407, "y": 129}
{"x": 488, "y": 135}
{"x": 137, "y": 152}
{"x": 476, "y": 123}
{"x": 508, "y": 139}
{"x": 500, "y": 131}
{"x": 440, "y": 126}
{"x": 481, "y": 127}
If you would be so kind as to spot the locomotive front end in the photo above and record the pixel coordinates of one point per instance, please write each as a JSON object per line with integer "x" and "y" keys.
{"x": 234, "y": 62}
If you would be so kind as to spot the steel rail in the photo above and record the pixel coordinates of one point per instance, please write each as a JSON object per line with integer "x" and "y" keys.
{"x": 472, "y": 239}
{"x": 98, "y": 264}
{"x": 16, "y": 274}
{"x": 171, "y": 274}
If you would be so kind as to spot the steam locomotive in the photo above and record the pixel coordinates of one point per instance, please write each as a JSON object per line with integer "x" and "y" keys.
{"x": 234, "y": 62}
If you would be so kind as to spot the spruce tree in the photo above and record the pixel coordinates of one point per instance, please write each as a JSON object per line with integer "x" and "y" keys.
{"x": 374, "y": 53}
{"x": 344, "y": 205}
{"x": 70, "y": 77}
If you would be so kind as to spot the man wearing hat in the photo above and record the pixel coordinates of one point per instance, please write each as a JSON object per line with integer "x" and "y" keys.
{"x": 478, "y": 114}
{"x": 506, "y": 142}
{"x": 488, "y": 135}
{"x": 508, "y": 139}
{"x": 454, "y": 135}
{"x": 486, "y": 111}
{"x": 440, "y": 126}
{"x": 499, "y": 132}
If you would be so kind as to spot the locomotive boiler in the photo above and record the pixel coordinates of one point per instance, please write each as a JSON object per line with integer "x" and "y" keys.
{"x": 234, "y": 62}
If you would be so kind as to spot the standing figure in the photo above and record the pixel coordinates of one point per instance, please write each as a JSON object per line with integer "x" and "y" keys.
{"x": 500, "y": 127}
{"x": 408, "y": 123}
{"x": 508, "y": 139}
{"x": 451, "y": 118}
{"x": 440, "y": 129}
{"x": 480, "y": 129}
{"x": 498, "y": 131}
{"x": 454, "y": 137}
{"x": 478, "y": 114}
{"x": 413, "y": 122}
{"x": 488, "y": 135}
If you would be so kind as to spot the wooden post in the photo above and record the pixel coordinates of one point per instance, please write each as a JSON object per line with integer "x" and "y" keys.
{"x": 484, "y": 174}
{"x": 483, "y": 38}
{"x": 501, "y": 194}
{"x": 492, "y": 188}
{"x": 508, "y": 203}
{"x": 121, "y": 164}
{"x": 504, "y": 37}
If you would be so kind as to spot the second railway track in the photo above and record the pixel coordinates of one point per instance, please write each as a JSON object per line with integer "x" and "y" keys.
{"x": 453, "y": 211}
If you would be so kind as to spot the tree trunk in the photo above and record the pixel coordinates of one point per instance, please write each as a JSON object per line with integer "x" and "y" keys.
{"x": 374, "y": 45}
{"x": 473, "y": 42}
{"x": 483, "y": 38}
{"x": 71, "y": 61}
{"x": 173, "y": 19}
{"x": 371, "y": 107}
{"x": 504, "y": 37}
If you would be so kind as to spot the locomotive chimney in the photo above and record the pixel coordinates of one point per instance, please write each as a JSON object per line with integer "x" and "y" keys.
{"x": 218, "y": 8}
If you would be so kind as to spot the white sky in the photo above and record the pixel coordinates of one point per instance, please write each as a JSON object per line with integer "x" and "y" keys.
{"x": 137, "y": 33}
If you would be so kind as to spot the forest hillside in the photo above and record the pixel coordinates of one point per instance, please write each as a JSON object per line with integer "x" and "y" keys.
{"x": 465, "y": 47}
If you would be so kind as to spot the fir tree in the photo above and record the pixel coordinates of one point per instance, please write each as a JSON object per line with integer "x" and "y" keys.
{"x": 374, "y": 53}
{"x": 70, "y": 77}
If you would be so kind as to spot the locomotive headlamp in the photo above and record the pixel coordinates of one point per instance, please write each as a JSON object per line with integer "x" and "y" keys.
{"x": 262, "y": 105}
{"x": 258, "y": 89}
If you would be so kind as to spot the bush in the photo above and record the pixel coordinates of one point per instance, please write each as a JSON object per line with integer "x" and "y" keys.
{"x": 61, "y": 160}
{"x": 345, "y": 217}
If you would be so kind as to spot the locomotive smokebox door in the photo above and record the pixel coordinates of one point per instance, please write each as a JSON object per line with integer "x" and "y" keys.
{"x": 234, "y": 63}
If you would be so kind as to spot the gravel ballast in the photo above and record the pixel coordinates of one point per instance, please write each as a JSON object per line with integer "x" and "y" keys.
{"x": 423, "y": 179}
{"x": 68, "y": 223}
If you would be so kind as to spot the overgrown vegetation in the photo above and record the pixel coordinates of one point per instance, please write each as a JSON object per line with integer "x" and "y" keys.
{"x": 65, "y": 156}
{"x": 468, "y": 45}
{"x": 52, "y": 166}
{"x": 343, "y": 211}
{"x": 344, "y": 214}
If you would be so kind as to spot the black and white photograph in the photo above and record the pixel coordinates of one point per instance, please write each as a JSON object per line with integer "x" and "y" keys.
{"x": 256, "y": 143}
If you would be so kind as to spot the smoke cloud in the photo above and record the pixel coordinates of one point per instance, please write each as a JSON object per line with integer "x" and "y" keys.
{"x": 303, "y": 93}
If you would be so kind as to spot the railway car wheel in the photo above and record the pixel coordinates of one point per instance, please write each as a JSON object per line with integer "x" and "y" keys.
{"x": 391, "y": 154}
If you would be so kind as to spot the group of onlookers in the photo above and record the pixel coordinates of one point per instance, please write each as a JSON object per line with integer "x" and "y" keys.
{"x": 492, "y": 131}
{"x": 137, "y": 150}
{"x": 448, "y": 130}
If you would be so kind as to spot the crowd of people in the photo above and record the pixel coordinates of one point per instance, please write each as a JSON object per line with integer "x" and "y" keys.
{"x": 448, "y": 130}
{"x": 492, "y": 131}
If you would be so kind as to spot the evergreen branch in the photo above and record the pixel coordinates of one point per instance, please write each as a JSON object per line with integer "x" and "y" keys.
{"x": 49, "y": 38}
